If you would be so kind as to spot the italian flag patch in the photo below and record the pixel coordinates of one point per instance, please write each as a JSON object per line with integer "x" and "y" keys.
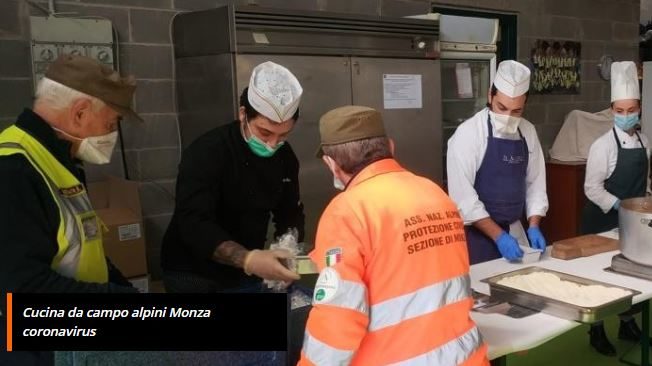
{"x": 333, "y": 256}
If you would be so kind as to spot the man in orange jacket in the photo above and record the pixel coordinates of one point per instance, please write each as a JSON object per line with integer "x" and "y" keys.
{"x": 394, "y": 282}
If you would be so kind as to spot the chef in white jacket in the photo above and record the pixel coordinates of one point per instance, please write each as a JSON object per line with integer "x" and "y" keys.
{"x": 618, "y": 162}
{"x": 496, "y": 170}
{"x": 617, "y": 169}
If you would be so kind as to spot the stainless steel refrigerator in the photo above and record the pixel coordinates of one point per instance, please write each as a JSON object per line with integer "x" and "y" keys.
{"x": 385, "y": 63}
{"x": 468, "y": 64}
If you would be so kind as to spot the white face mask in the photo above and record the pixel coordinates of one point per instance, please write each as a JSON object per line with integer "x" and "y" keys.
{"x": 95, "y": 149}
{"x": 337, "y": 183}
{"x": 505, "y": 123}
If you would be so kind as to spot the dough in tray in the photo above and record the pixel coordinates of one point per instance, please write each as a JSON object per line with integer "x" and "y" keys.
{"x": 551, "y": 286}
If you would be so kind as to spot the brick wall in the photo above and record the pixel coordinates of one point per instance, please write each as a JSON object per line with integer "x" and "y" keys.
{"x": 602, "y": 26}
{"x": 151, "y": 149}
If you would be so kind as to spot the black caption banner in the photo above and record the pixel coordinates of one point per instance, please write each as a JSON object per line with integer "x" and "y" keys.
{"x": 147, "y": 322}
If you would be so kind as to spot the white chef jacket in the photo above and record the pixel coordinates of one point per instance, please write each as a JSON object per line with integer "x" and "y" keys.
{"x": 602, "y": 163}
{"x": 466, "y": 149}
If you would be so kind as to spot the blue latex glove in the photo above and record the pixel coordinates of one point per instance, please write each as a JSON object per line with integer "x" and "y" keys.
{"x": 508, "y": 247}
{"x": 537, "y": 241}
{"x": 616, "y": 205}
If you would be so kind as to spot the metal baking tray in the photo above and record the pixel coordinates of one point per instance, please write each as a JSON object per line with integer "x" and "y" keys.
{"x": 555, "y": 307}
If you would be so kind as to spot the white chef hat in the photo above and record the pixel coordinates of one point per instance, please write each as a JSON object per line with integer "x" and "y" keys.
{"x": 274, "y": 92}
{"x": 624, "y": 81}
{"x": 512, "y": 78}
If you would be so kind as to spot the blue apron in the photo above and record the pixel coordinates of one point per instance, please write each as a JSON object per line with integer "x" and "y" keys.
{"x": 500, "y": 184}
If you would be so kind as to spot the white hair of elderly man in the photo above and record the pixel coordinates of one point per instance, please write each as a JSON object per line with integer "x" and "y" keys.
{"x": 56, "y": 96}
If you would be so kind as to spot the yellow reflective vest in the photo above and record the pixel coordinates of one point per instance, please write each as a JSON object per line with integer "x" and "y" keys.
{"x": 80, "y": 252}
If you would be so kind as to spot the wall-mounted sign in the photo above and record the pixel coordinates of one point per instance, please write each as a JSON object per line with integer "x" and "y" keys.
{"x": 556, "y": 67}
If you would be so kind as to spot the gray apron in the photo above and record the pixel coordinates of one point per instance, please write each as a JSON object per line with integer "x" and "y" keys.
{"x": 628, "y": 180}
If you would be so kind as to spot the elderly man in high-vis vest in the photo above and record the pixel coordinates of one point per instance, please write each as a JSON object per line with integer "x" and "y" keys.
{"x": 394, "y": 282}
{"x": 51, "y": 236}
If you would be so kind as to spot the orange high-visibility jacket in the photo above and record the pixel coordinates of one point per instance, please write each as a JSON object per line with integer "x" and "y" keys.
{"x": 394, "y": 283}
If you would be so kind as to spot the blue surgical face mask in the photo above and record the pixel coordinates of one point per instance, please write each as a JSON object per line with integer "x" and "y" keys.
{"x": 626, "y": 121}
{"x": 258, "y": 146}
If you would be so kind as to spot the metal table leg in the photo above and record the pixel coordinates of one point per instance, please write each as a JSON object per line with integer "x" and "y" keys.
{"x": 645, "y": 337}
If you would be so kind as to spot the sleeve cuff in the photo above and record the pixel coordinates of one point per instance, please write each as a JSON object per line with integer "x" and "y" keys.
{"x": 475, "y": 216}
{"x": 206, "y": 247}
{"x": 537, "y": 212}
{"x": 609, "y": 204}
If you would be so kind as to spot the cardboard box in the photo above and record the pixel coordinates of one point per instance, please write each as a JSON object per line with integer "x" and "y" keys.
{"x": 117, "y": 202}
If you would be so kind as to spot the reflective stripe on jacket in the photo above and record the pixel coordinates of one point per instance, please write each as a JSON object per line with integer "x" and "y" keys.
{"x": 79, "y": 236}
{"x": 394, "y": 284}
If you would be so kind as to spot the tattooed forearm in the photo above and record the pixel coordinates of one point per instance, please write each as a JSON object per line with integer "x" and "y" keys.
{"x": 230, "y": 253}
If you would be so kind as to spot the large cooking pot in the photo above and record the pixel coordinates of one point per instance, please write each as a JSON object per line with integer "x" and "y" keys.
{"x": 635, "y": 222}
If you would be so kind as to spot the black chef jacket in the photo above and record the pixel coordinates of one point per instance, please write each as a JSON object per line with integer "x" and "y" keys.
{"x": 226, "y": 192}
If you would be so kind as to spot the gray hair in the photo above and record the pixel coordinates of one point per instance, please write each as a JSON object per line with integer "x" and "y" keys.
{"x": 354, "y": 156}
{"x": 57, "y": 96}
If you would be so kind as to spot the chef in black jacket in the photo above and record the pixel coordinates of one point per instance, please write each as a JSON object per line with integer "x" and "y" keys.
{"x": 230, "y": 180}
